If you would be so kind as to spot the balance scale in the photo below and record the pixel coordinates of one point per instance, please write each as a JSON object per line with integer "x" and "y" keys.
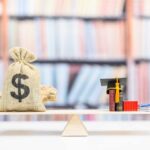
{"x": 75, "y": 126}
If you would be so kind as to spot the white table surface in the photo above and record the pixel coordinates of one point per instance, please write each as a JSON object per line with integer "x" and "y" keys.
{"x": 79, "y": 112}
{"x": 102, "y": 136}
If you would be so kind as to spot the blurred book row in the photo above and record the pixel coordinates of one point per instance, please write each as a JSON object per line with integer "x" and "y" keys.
{"x": 141, "y": 7}
{"x": 63, "y": 38}
{"x": 92, "y": 8}
{"x": 79, "y": 85}
{"x": 142, "y": 83}
{"x": 141, "y": 38}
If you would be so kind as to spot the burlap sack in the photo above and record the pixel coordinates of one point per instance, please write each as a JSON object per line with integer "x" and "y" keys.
{"x": 22, "y": 84}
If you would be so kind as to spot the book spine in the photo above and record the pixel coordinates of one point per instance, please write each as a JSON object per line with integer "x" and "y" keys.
{"x": 112, "y": 100}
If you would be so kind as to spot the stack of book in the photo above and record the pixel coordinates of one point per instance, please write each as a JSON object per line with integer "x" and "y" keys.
{"x": 94, "y": 8}
{"x": 77, "y": 39}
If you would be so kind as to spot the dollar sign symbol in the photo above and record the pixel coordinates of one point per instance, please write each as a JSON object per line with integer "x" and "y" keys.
{"x": 20, "y": 96}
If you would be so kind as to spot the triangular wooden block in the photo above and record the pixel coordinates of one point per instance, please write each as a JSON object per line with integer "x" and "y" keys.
{"x": 75, "y": 127}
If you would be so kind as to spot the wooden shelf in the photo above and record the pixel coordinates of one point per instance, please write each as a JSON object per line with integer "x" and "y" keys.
{"x": 90, "y": 62}
{"x": 81, "y": 61}
{"x": 111, "y": 18}
{"x": 75, "y": 61}
{"x": 141, "y": 60}
{"x": 142, "y": 17}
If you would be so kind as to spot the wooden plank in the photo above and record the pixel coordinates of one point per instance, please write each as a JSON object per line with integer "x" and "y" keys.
{"x": 77, "y": 112}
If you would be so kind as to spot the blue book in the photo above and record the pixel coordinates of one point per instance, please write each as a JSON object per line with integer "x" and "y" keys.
{"x": 62, "y": 83}
{"x": 62, "y": 39}
{"x": 90, "y": 85}
{"x": 47, "y": 74}
{"x": 79, "y": 84}
{"x": 51, "y": 38}
{"x": 90, "y": 46}
{"x": 73, "y": 46}
{"x": 98, "y": 94}
{"x": 38, "y": 45}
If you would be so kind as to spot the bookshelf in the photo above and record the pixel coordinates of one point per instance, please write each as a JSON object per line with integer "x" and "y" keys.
{"x": 126, "y": 17}
{"x": 85, "y": 19}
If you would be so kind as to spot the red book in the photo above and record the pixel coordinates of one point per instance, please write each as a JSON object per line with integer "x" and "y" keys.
{"x": 130, "y": 105}
{"x": 112, "y": 100}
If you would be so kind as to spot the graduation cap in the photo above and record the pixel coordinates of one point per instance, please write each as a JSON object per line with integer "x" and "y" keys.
{"x": 111, "y": 83}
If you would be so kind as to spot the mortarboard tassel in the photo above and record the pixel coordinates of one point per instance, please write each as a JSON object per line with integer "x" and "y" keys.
{"x": 117, "y": 96}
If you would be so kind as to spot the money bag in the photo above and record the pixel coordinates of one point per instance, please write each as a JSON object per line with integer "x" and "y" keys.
{"x": 21, "y": 90}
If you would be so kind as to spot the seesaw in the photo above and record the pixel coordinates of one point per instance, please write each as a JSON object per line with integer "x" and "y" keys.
{"x": 75, "y": 126}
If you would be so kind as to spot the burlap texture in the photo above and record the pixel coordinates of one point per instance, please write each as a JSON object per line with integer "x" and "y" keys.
{"x": 21, "y": 90}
